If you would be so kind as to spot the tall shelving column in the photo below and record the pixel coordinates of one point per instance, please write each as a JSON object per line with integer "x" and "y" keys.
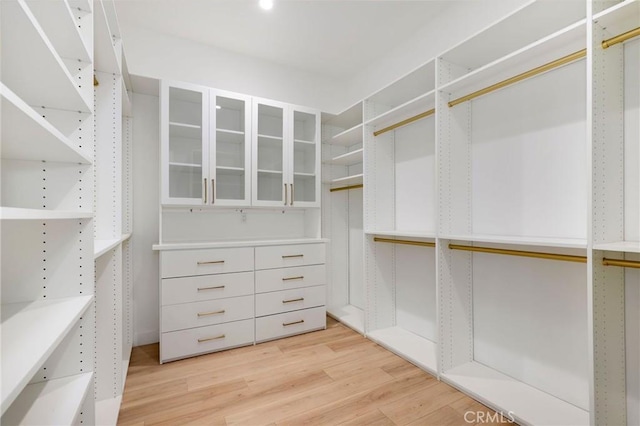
{"x": 112, "y": 204}
{"x": 47, "y": 300}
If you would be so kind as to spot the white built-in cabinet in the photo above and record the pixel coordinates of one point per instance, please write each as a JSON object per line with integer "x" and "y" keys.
{"x": 55, "y": 207}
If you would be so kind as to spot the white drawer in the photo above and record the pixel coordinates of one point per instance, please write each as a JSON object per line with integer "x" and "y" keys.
{"x": 290, "y": 323}
{"x": 206, "y": 287}
{"x": 288, "y": 278}
{"x": 184, "y": 263}
{"x": 195, "y": 341}
{"x": 209, "y": 312}
{"x": 290, "y": 255}
{"x": 290, "y": 300}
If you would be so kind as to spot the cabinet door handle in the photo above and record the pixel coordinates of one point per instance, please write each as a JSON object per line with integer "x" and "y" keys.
{"x": 287, "y": 256}
{"x": 208, "y": 314}
{"x": 301, "y": 277}
{"x": 287, "y": 324}
{"x": 286, "y": 200}
{"x": 211, "y": 262}
{"x": 213, "y": 191}
{"x": 218, "y": 287}
{"x": 205, "y": 190}
{"x": 208, "y": 339}
{"x": 292, "y": 193}
{"x": 300, "y": 299}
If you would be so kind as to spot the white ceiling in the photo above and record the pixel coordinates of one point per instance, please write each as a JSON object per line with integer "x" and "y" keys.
{"x": 331, "y": 37}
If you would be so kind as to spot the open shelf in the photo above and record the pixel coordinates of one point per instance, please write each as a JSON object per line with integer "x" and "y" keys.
{"x": 231, "y": 132}
{"x": 277, "y": 138}
{"x": 105, "y": 56}
{"x": 28, "y": 136}
{"x": 350, "y": 136}
{"x": 230, "y": 170}
{"x": 415, "y": 106}
{"x": 190, "y": 165}
{"x": 348, "y": 159}
{"x": 15, "y": 213}
{"x": 618, "y": 19}
{"x": 53, "y": 402}
{"x": 525, "y": 241}
{"x": 415, "y": 349}
{"x": 304, "y": 142}
{"x": 505, "y": 394}
{"x": 407, "y": 234}
{"x": 621, "y": 246}
{"x": 348, "y": 180}
{"x": 304, "y": 175}
{"x": 101, "y": 247}
{"x": 191, "y": 131}
{"x": 348, "y": 315}
{"x": 26, "y": 52}
{"x": 57, "y": 21}
{"x": 273, "y": 172}
{"x": 30, "y": 333}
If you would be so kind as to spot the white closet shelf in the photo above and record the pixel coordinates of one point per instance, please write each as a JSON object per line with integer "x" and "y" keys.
{"x": 348, "y": 159}
{"x": 231, "y": 132}
{"x": 230, "y": 170}
{"x": 621, "y": 246}
{"x": 415, "y": 349}
{"x": 347, "y": 180}
{"x": 101, "y": 247}
{"x": 25, "y": 57}
{"x": 410, "y": 86}
{"x": 53, "y": 402}
{"x": 555, "y": 46}
{"x": 105, "y": 57}
{"x": 15, "y": 213}
{"x": 183, "y": 130}
{"x": 415, "y": 106}
{"x": 28, "y": 136}
{"x": 57, "y": 21}
{"x": 276, "y": 138}
{"x": 304, "y": 142}
{"x": 30, "y": 333}
{"x": 620, "y": 18}
{"x": 349, "y": 315}
{"x": 107, "y": 410}
{"x": 577, "y": 243}
{"x": 350, "y": 136}
{"x": 503, "y": 393}
{"x": 191, "y": 165}
{"x": 273, "y": 172}
{"x": 304, "y": 175}
{"x": 408, "y": 234}
{"x": 237, "y": 243}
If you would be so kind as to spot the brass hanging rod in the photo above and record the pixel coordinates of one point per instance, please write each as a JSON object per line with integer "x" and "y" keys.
{"x": 405, "y": 122}
{"x": 620, "y": 262}
{"x": 95, "y": 81}
{"x": 344, "y": 188}
{"x": 535, "y": 254}
{"x": 535, "y": 71}
{"x": 620, "y": 38}
{"x": 407, "y": 242}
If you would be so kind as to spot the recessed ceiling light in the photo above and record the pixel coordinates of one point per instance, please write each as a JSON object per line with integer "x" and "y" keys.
{"x": 266, "y": 4}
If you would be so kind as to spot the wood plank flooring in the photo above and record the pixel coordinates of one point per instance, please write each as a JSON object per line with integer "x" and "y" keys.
{"x": 330, "y": 377}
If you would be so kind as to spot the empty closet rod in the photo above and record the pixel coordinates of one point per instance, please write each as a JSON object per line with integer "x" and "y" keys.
{"x": 344, "y": 188}
{"x": 405, "y": 122}
{"x": 407, "y": 242}
{"x": 623, "y": 263}
{"x": 620, "y": 38}
{"x": 538, "y": 255}
{"x": 535, "y": 71}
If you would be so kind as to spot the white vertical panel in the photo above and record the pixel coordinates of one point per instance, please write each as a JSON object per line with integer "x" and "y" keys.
{"x": 632, "y": 342}
{"x": 356, "y": 248}
{"x": 632, "y": 140}
{"x": 380, "y": 310}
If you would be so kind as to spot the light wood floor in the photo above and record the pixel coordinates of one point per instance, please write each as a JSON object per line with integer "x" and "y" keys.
{"x": 330, "y": 377}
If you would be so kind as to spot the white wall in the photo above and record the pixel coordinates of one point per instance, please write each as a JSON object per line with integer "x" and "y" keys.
{"x": 152, "y": 54}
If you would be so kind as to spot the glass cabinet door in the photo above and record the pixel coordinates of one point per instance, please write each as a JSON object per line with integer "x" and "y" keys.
{"x": 269, "y": 150}
{"x": 185, "y": 145}
{"x": 230, "y": 149}
{"x": 306, "y": 158}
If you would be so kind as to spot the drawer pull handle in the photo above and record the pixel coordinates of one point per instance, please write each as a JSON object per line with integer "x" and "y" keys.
{"x": 218, "y": 287}
{"x": 211, "y": 262}
{"x": 300, "y": 299}
{"x": 301, "y": 277}
{"x": 206, "y": 314}
{"x": 208, "y": 339}
{"x": 286, "y": 324}
{"x": 292, "y": 255}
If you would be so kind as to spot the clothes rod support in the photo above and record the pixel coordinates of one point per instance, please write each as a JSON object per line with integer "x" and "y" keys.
{"x": 344, "y": 188}
{"x": 535, "y": 71}
{"x": 534, "y": 254}
{"x": 407, "y": 242}
{"x": 620, "y": 262}
{"x": 620, "y": 38}
{"x": 405, "y": 122}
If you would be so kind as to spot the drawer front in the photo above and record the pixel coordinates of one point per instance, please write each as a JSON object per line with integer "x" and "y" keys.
{"x": 195, "y": 341}
{"x": 290, "y": 255}
{"x": 290, "y": 300}
{"x": 290, "y": 323}
{"x": 206, "y": 287}
{"x": 184, "y": 263}
{"x": 209, "y": 312}
{"x": 289, "y": 278}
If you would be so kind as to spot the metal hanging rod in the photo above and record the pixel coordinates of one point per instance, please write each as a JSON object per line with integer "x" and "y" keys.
{"x": 620, "y": 38}
{"x": 405, "y": 122}
{"x": 95, "y": 81}
{"x": 535, "y": 254}
{"x": 344, "y": 188}
{"x": 407, "y": 242}
{"x": 535, "y": 71}
{"x": 620, "y": 262}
